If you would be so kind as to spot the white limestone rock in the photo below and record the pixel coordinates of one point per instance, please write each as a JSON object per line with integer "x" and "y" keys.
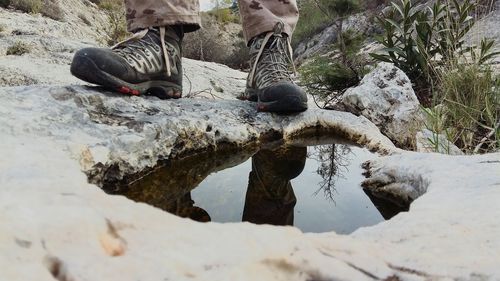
{"x": 55, "y": 225}
{"x": 113, "y": 135}
{"x": 385, "y": 96}
{"x": 428, "y": 141}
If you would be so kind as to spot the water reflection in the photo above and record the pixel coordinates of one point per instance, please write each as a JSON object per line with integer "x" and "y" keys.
{"x": 333, "y": 162}
{"x": 270, "y": 198}
{"x": 270, "y": 177}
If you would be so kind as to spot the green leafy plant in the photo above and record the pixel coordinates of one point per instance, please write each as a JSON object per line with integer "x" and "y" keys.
{"x": 419, "y": 39}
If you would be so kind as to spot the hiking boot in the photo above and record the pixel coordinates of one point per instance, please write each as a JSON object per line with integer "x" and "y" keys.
{"x": 270, "y": 82}
{"x": 148, "y": 62}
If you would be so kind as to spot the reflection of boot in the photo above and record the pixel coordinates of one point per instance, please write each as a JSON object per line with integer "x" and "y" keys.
{"x": 270, "y": 198}
{"x": 388, "y": 208}
{"x": 184, "y": 207}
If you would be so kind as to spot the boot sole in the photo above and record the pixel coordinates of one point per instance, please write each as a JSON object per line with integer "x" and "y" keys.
{"x": 85, "y": 69}
{"x": 285, "y": 105}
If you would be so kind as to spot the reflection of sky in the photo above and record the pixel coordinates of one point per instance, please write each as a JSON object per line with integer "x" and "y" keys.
{"x": 222, "y": 195}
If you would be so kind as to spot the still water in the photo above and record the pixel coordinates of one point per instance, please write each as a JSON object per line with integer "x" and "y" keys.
{"x": 315, "y": 188}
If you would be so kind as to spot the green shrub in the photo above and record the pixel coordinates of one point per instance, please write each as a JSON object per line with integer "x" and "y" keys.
{"x": 4, "y": 3}
{"x": 327, "y": 78}
{"x": 18, "y": 48}
{"x": 420, "y": 39}
{"x": 225, "y": 15}
{"x": 28, "y": 6}
{"x": 469, "y": 95}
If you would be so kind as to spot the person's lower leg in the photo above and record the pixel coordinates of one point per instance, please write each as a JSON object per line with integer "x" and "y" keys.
{"x": 268, "y": 27}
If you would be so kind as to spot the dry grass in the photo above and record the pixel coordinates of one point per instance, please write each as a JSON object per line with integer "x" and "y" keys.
{"x": 211, "y": 44}
{"x": 84, "y": 19}
{"x": 51, "y": 9}
{"x": 27, "y": 6}
{"x": 469, "y": 111}
{"x": 117, "y": 29}
{"x": 18, "y": 48}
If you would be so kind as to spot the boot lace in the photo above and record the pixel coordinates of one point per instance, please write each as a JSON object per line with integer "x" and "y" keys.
{"x": 271, "y": 62}
{"x": 137, "y": 50}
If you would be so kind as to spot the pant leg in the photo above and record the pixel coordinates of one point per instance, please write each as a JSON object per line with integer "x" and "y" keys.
{"x": 146, "y": 13}
{"x": 261, "y": 16}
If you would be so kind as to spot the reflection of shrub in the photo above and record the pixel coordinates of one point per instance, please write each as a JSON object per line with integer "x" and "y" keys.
{"x": 27, "y": 6}
{"x": 19, "y": 48}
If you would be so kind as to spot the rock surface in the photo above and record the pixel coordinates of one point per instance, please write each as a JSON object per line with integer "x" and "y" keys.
{"x": 321, "y": 43}
{"x": 385, "y": 96}
{"x": 428, "y": 141}
{"x": 56, "y": 225}
{"x": 113, "y": 135}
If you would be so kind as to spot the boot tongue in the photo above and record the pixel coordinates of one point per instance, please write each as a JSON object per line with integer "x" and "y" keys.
{"x": 273, "y": 41}
{"x": 169, "y": 32}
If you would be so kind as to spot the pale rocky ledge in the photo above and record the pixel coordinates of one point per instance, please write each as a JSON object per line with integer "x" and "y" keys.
{"x": 55, "y": 225}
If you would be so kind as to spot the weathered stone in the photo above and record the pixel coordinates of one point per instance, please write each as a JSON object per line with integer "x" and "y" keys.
{"x": 113, "y": 135}
{"x": 57, "y": 226}
{"x": 385, "y": 96}
{"x": 428, "y": 141}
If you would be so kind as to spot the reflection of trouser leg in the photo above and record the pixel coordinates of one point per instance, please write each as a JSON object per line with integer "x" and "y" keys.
{"x": 184, "y": 207}
{"x": 261, "y": 16}
{"x": 270, "y": 198}
{"x": 146, "y": 13}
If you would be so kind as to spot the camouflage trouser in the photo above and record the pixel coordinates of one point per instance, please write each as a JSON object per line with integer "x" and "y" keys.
{"x": 258, "y": 16}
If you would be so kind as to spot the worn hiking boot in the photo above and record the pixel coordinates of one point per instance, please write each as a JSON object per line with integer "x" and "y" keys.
{"x": 149, "y": 62}
{"x": 270, "y": 83}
